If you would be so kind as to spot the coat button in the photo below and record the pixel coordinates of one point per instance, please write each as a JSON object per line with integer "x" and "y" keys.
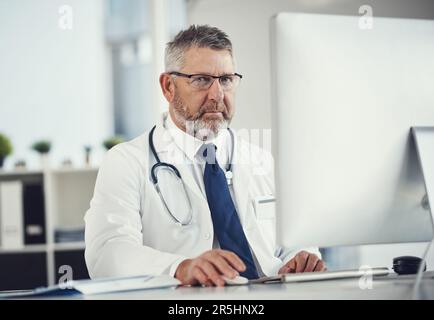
{"x": 207, "y": 236}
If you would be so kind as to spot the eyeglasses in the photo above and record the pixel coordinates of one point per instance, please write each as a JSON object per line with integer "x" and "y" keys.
{"x": 228, "y": 82}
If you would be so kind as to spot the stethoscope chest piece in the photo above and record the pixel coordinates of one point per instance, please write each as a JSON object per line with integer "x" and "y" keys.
{"x": 229, "y": 177}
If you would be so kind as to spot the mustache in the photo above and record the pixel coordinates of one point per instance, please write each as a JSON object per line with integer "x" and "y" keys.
{"x": 212, "y": 107}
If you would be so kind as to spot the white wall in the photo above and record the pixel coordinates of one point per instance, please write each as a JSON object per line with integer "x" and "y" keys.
{"x": 54, "y": 83}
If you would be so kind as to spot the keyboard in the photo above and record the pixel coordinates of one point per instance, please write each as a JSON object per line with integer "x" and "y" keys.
{"x": 325, "y": 275}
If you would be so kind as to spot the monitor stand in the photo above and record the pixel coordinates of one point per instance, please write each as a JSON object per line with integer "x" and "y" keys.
{"x": 424, "y": 141}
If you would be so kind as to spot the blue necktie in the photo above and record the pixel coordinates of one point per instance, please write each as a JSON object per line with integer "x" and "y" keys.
{"x": 227, "y": 225}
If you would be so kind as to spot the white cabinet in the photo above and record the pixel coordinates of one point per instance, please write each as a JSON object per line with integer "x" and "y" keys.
{"x": 66, "y": 195}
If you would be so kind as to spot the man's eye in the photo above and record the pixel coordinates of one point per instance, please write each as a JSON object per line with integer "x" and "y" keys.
{"x": 225, "y": 80}
{"x": 202, "y": 80}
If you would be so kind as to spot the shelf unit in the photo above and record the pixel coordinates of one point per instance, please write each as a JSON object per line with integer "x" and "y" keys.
{"x": 67, "y": 193}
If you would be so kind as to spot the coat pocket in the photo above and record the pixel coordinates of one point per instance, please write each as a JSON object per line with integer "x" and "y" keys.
{"x": 265, "y": 207}
{"x": 265, "y": 212}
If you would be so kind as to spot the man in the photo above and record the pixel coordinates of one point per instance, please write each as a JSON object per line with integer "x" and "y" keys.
{"x": 167, "y": 203}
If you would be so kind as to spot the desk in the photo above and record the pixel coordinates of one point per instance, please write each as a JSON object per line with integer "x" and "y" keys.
{"x": 387, "y": 287}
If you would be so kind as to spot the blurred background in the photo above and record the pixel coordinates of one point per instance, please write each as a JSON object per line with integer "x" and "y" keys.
{"x": 78, "y": 75}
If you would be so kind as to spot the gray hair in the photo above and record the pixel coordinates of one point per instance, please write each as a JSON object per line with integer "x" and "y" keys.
{"x": 200, "y": 36}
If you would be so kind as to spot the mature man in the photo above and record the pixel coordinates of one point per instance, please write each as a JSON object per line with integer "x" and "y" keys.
{"x": 182, "y": 200}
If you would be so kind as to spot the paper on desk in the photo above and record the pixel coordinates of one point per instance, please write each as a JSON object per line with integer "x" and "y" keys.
{"x": 98, "y": 286}
{"x": 125, "y": 284}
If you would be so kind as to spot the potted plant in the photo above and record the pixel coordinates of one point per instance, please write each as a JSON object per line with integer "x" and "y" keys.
{"x": 43, "y": 147}
{"x": 5, "y": 148}
{"x": 112, "y": 141}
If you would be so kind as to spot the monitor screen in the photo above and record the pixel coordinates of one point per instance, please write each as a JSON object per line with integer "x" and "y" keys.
{"x": 344, "y": 101}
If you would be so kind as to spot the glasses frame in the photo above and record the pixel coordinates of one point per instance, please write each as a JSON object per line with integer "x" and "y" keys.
{"x": 189, "y": 76}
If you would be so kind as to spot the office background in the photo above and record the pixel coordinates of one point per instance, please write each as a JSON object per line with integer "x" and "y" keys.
{"x": 79, "y": 84}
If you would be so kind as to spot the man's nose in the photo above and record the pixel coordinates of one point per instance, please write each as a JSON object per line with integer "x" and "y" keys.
{"x": 215, "y": 92}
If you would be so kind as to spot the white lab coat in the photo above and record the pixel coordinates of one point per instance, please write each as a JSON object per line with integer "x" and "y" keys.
{"x": 129, "y": 232}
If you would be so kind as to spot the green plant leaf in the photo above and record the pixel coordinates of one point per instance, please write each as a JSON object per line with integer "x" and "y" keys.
{"x": 42, "y": 146}
{"x": 112, "y": 141}
{"x": 5, "y": 146}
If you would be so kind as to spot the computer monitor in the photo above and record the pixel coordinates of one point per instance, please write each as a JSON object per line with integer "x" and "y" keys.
{"x": 344, "y": 100}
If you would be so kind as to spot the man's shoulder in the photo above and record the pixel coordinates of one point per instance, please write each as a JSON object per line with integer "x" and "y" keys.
{"x": 133, "y": 151}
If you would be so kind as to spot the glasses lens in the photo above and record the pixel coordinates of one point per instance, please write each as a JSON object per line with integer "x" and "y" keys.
{"x": 229, "y": 82}
{"x": 174, "y": 195}
{"x": 201, "y": 81}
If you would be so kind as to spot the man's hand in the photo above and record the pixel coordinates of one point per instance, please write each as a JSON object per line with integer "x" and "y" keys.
{"x": 209, "y": 267}
{"x": 303, "y": 262}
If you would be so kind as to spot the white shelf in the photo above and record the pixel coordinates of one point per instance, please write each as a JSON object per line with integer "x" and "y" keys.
{"x": 64, "y": 246}
{"x": 60, "y": 170}
{"x": 4, "y": 173}
{"x": 74, "y": 170}
{"x": 25, "y": 249}
{"x": 67, "y": 194}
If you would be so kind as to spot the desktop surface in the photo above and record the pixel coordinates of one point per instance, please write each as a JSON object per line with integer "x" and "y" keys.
{"x": 385, "y": 287}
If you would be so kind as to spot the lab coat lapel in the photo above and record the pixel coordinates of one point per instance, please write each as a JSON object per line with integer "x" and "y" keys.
{"x": 189, "y": 181}
{"x": 165, "y": 145}
{"x": 241, "y": 181}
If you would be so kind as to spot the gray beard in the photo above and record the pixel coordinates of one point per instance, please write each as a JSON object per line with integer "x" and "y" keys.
{"x": 198, "y": 128}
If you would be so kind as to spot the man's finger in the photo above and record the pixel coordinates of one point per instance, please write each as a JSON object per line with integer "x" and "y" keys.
{"x": 209, "y": 283}
{"x": 301, "y": 260}
{"x": 311, "y": 263}
{"x": 282, "y": 270}
{"x": 320, "y": 266}
{"x": 233, "y": 260}
{"x": 211, "y": 273}
{"x": 200, "y": 276}
{"x": 288, "y": 267}
{"x": 292, "y": 265}
{"x": 223, "y": 266}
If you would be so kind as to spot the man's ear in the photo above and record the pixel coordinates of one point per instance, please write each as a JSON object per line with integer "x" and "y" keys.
{"x": 167, "y": 86}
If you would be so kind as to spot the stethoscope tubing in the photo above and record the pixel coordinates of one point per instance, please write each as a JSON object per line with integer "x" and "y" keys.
{"x": 159, "y": 163}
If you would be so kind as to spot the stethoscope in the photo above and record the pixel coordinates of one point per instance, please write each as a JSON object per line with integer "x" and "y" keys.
{"x": 159, "y": 165}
